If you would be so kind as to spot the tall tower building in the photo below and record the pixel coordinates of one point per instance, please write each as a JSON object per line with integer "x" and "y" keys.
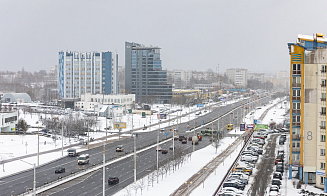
{"x": 144, "y": 76}
{"x": 308, "y": 109}
{"x": 87, "y": 72}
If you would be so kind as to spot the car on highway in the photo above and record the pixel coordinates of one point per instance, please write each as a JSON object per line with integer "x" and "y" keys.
{"x": 181, "y": 138}
{"x": 113, "y": 180}
{"x": 164, "y": 151}
{"x": 274, "y": 193}
{"x": 274, "y": 188}
{"x": 171, "y": 147}
{"x": 190, "y": 138}
{"x": 184, "y": 142}
{"x": 158, "y": 148}
{"x": 195, "y": 142}
{"x": 83, "y": 159}
{"x": 198, "y": 113}
{"x": 120, "y": 148}
{"x": 60, "y": 170}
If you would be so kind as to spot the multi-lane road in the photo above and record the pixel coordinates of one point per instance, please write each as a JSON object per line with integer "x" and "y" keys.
{"x": 91, "y": 184}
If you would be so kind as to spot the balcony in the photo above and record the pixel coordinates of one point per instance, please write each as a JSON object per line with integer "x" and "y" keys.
{"x": 296, "y": 149}
{"x": 296, "y": 136}
{"x": 296, "y": 111}
{"x": 323, "y": 71}
{"x": 295, "y": 98}
{"x": 296, "y": 71}
{"x": 322, "y": 127}
{"x": 295, "y": 162}
{"x": 296, "y": 123}
{"x": 323, "y": 113}
{"x": 323, "y": 85}
{"x": 322, "y": 99}
{"x": 296, "y": 84}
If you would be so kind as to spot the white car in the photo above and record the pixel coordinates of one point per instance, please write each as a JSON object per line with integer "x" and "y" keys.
{"x": 249, "y": 158}
{"x": 274, "y": 193}
{"x": 231, "y": 189}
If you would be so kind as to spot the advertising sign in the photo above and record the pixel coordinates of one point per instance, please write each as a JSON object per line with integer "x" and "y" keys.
{"x": 260, "y": 126}
{"x": 199, "y": 105}
{"x": 242, "y": 127}
{"x": 120, "y": 125}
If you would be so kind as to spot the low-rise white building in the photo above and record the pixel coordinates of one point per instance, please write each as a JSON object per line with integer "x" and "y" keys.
{"x": 8, "y": 122}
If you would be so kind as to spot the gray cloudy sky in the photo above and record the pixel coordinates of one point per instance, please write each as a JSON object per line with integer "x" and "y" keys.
{"x": 193, "y": 35}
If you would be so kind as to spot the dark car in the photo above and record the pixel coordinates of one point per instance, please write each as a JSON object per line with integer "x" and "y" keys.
{"x": 195, "y": 142}
{"x": 181, "y": 138}
{"x": 171, "y": 147}
{"x": 184, "y": 142}
{"x": 234, "y": 184}
{"x": 280, "y": 168}
{"x": 281, "y": 141}
{"x": 60, "y": 170}
{"x": 278, "y": 175}
{"x": 113, "y": 180}
{"x": 260, "y": 151}
{"x": 164, "y": 151}
{"x": 280, "y": 156}
{"x": 190, "y": 138}
{"x": 276, "y": 182}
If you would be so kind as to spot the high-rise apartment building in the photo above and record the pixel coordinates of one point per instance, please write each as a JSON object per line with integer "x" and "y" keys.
{"x": 308, "y": 109}
{"x": 237, "y": 76}
{"x": 182, "y": 79}
{"x": 87, "y": 72}
{"x": 144, "y": 76}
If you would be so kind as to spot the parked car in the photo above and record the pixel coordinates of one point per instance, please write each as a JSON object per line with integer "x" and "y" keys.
{"x": 274, "y": 193}
{"x": 113, "y": 180}
{"x": 280, "y": 168}
{"x": 234, "y": 184}
{"x": 60, "y": 170}
{"x": 278, "y": 175}
{"x": 249, "y": 158}
{"x": 231, "y": 189}
{"x": 281, "y": 141}
{"x": 198, "y": 113}
{"x": 276, "y": 182}
{"x": 278, "y": 160}
{"x": 274, "y": 188}
{"x": 164, "y": 151}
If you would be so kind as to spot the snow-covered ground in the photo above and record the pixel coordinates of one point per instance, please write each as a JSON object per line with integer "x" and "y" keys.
{"x": 200, "y": 158}
{"x": 13, "y": 146}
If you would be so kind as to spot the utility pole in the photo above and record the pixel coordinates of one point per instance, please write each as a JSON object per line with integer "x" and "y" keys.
{"x": 104, "y": 170}
{"x": 38, "y": 145}
{"x": 62, "y": 140}
{"x": 88, "y": 134}
{"x": 134, "y": 150}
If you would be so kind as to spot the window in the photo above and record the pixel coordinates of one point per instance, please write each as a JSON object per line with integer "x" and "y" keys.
{"x": 323, "y": 110}
{"x": 323, "y": 68}
{"x": 323, "y": 123}
{"x": 296, "y": 80}
{"x": 296, "y": 131}
{"x": 296, "y": 105}
{"x": 323, "y": 138}
{"x": 322, "y": 179}
{"x": 322, "y": 153}
{"x": 323, "y": 82}
{"x": 296, "y": 67}
{"x": 322, "y": 165}
{"x": 296, "y": 144}
{"x": 296, "y": 118}
{"x": 296, "y": 93}
{"x": 323, "y": 95}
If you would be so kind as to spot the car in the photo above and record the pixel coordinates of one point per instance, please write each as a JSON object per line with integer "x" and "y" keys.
{"x": 278, "y": 175}
{"x": 231, "y": 189}
{"x": 280, "y": 168}
{"x": 276, "y": 182}
{"x": 60, "y": 170}
{"x": 158, "y": 148}
{"x": 199, "y": 137}
{"x": 176, "y": 138}
{"x": 195, "y": 142}
{"x": 244, "y": 169}
{"x": 113, "y": 180}
{"x": 234, "y": 184}
{"x": 278, "y": 160}
{"x": 274, "y": 193}
{"x": 198, "y": 113}
{"x": 164, "y": 151}
{"x": 171, "y": 147}
{"x": 274, "y": 188}
{"x": 249, "y": 158}
{"x": 234, "y": 176}
{"x": 280, "y": 152}
{"x": 190, "y": 138}
{"x": 181, "y": 138}
{"x": 184, "y": 142}
{"x": 119, "y": 148}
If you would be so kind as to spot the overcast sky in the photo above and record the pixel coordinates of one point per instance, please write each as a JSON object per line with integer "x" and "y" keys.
{"x": 193, "y": 35}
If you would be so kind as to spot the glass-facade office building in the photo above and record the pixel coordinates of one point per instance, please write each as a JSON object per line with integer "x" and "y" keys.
{"x": 144, "y": 76}
{"x": 87, "y": 72}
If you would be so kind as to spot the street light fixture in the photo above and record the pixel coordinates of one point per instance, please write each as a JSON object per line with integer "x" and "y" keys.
{"x": 34, "y": 182}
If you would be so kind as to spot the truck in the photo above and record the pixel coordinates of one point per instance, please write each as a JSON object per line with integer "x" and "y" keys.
{"x": 72, "y": 152}
{"x": 83, "y": 159}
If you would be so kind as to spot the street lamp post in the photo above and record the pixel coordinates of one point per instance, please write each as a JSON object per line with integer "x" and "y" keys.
{"x": 34, "y": 181}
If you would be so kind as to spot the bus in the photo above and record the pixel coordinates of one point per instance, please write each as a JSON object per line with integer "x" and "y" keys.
{"x": 230, "y": 127}
{"x": 208, "y": 132}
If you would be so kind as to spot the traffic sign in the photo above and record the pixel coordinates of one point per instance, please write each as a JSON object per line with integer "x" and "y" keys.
{"x": 166, "y": 133}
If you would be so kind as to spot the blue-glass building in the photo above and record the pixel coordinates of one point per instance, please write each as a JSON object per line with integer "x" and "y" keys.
{"x": 144, "y": 76}
{"x": 87, "y": 72}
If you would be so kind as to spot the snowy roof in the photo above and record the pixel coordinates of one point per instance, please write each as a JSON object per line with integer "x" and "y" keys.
{"x": 16, "y": 97}
{"x": 310, "y": 38}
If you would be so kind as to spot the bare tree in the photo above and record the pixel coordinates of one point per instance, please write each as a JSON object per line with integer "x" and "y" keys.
{"x": 141, "y": 184}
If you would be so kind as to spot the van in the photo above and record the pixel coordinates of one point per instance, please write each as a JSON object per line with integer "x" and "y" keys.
{"x": 72, "y": 152}
{"x": 120, "y": 148}
{"x": 83, "y": 159}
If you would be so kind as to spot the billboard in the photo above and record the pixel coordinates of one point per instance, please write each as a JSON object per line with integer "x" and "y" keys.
{"x": 260, "y": 126}
{"x": 120, "y": 125}
{"x": 242, "y": 127}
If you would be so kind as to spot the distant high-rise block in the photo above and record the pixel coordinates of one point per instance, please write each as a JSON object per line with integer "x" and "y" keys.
{"x": 87, "y": 72}
{"x": 144, "y": 76}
